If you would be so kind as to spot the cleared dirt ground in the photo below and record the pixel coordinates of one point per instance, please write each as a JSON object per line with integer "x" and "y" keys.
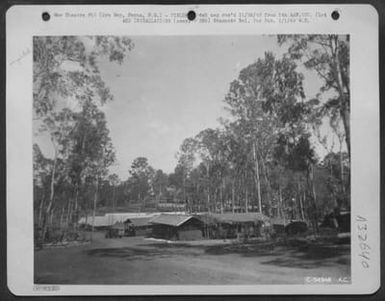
{"x": 136, "y": 260}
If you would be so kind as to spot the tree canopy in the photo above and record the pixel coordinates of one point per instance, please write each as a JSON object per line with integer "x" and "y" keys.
{"x": 261, "y": 157}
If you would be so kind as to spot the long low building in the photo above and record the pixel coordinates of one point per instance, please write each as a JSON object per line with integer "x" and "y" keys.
{"x": 111, "y": 218}
{"x": 252, "y": 217}
{"x": 138, "y": 226}
{"x": 231, "y": 225}
{"x": 177, "y": 227}
{"x": 99, "y": 222}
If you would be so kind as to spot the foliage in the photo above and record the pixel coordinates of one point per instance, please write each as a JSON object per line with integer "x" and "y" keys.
{"x": 261, "y": 158}
{"x": 68, "y": 92}
{"x": 141, "y": 176}
{"x": 66, "y": 67}
{"x": 329, "y": 57}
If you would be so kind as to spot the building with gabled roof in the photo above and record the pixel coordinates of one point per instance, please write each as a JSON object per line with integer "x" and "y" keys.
{"x": 232, "y": 225}
{"x": 138, "y": 226}
{"x": 177, "y": 227}
{"x": 233, "y": 218}
{"x": 171, "y": 219}
{"x": 99, "y": 222}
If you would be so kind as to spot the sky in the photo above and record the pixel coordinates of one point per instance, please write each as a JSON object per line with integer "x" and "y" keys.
{"x": 172, "y": 87}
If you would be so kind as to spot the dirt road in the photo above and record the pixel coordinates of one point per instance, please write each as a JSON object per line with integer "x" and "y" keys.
{"x": 135, "y": 260}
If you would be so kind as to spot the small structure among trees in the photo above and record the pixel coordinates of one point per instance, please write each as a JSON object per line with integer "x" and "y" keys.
{"x": 138, "y": 226}
{"x": 296, "y": 227}
{"x": 177, "y": 227}
{"x": 234, "y": 225}
{"x": 338, "y": 220}
{"x": 116, "y": 230}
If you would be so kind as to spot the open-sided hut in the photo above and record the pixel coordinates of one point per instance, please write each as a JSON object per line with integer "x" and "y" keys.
{"x": 177, "y": 227}
{"x": 231, "y": 225}
{"x": 140, "y": 226}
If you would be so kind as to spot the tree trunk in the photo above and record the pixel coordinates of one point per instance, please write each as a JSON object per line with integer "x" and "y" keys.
{"x": 94, "y": 207}
{"x": 232, "y": 197}
{"x": 76, "y": 210}
{"x": 282, "y": 213}
{"x": 215, "y": 198}
{"x": 113, "y": 198}
{"x": 269, "y": 189}
{"x": 208, "y": 187}
{"x": 257, "y": 178}
{"x": 68, "y": 213}
{"x": 86, "y": 219}
{"x": 342, "y": 171}
{"x": 61, "y": 217}
{"x": 221, "y": 196}
{"x": 51, "y": 197}
{"x": 39, "y": 221}
{"x": 247, "y": 201}
{"x": 52, "y": 185}
{"x": 304, "y": 202}
{"x": 51, "y": 218}
{"x": 344, "y": 100}
{"x": 314, "y": 197}
{"x": 300, "y": 202}
{"x": 184, "y": 188}
{"x": 345, "y": 115}
{"x": 301, "y": 207}
{"x": 208, "y": 200}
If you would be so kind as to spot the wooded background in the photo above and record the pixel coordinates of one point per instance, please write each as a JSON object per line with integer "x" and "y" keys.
{"x": 261, "y": 158}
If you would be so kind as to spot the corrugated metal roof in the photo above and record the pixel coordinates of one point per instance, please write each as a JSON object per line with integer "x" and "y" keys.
{"x": 118, "y": 225}
{"x": 235, "y": 217}
{"x": 140, "y": 221}
{"x": 111, "y": 218}
{"x": 100, "y": 221}
{"x": 122, "y": 217}
{"x": 171, "y": 219}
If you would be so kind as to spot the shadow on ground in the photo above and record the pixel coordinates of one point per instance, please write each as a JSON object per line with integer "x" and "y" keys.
{"x": 313, "y": 257}
{"x": 149, "y": 252}
{"x": 300, "y": 256}
{"x": 126, "y": 253}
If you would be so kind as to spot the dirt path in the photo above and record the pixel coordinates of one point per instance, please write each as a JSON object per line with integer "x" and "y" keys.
{"x": 134, "y": 260}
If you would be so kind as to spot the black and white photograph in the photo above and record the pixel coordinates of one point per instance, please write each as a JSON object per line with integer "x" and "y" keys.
{"x": 191, "y": 160}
